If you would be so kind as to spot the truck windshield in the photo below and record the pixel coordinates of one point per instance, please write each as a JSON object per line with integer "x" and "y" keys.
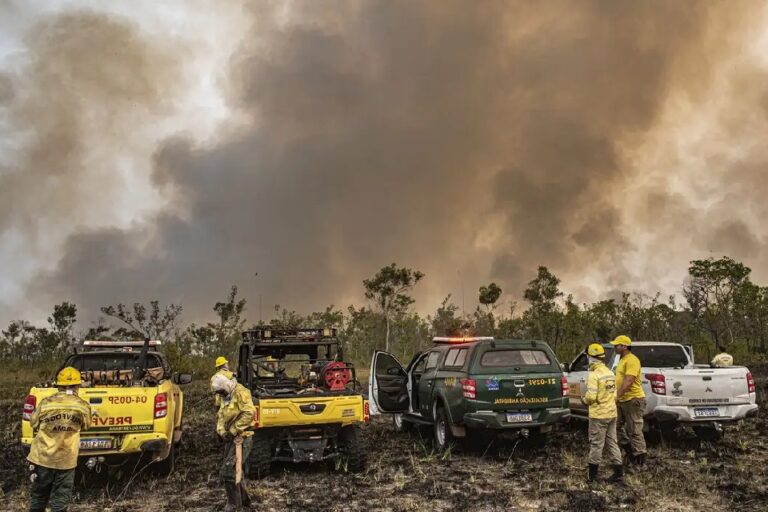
{"x": 514, "y": 357}
{"x": 111, "y": 361}
{"x": 661, "y": 356}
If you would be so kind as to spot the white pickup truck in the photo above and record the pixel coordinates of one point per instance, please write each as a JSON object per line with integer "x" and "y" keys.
{"x": 677, "y": 391}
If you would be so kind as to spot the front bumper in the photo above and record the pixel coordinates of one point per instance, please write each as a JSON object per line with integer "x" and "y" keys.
{"x": 498, "y": 420}
{"x": 685, "y": 413}
{"x": 127, "y": 444}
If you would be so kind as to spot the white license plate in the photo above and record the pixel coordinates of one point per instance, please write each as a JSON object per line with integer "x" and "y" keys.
{"x": 706, "y": 412}
{"x": 95, "y": 444}
{"x": 519, "y": 417}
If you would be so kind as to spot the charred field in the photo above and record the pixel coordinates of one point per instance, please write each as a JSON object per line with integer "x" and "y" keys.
{"x": 406, "y": 474}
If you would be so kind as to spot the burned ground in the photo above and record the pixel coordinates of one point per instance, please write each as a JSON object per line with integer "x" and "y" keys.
{"x": 405, "y": 474}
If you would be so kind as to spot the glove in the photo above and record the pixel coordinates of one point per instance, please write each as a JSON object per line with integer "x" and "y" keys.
{"x": 32, "y": 473}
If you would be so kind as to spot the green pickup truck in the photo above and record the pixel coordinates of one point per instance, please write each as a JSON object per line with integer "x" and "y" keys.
{"x": 515, "y": 388}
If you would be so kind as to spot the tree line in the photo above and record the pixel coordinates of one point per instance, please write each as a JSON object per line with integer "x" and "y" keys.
{"x": 719, "y": 306}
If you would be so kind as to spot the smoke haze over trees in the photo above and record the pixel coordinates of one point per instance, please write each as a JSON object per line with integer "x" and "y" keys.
{"x": 720, "y": 309}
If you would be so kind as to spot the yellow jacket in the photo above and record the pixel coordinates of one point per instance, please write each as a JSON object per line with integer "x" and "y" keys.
{"x": 601, "y": 392}
{"x": 216, "y": 397}
{"x": 57, "y": 422}
{"x": 236, "y": 413}
{"x": 722, "y": 360}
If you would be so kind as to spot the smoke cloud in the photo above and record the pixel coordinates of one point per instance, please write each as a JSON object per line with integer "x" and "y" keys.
{"x": 473, "y": 141}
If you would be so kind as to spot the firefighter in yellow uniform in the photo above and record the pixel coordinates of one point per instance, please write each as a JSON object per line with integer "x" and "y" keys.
{"x": 233, "y": 425}
{"x": 222, "y": 367}
{"x": 631, "y": 400}
{"x": 723, "y": 359}
{"x": 57, "y": 423}
{"x": 601, "y": 399}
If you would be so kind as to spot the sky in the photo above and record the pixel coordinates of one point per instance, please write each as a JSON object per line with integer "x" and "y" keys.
{"x": 170, "y": 150}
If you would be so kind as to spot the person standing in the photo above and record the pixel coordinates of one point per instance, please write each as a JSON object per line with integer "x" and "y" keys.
{"x": 233, "y": 426}
{"x": 601, "y": 399}
{"x": 56, "y": 424}
{"x": 723, "y": 359}
{"x": 631, "y": 400}
{"x": 222, "y": 367}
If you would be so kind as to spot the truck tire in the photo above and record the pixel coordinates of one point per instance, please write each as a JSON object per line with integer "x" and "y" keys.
{"x": 165, "y": 467}
{"x": 442, "y": 428}
{"x": 261, "y": 456}
{"x": 398, "y": 421}
{"x": 352, "y": 447}
{"x": 708, "y": 433}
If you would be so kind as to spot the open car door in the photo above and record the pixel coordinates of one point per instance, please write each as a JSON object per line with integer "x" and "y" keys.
{"x": 387, "y": 386}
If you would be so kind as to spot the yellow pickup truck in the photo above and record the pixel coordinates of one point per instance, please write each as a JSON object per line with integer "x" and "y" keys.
{"x": 309, "y": 406}
{"x": 136, "y": 403}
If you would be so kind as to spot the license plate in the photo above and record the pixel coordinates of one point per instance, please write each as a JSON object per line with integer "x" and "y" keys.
{"x": 706, "y": 412}
{"x": 519, "y": 417}
{"x": 95, "y": 444}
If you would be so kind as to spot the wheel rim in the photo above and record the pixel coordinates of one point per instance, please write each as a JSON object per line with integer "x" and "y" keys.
{"x": 398, "y": 418}
{"x": 440, "y": 433}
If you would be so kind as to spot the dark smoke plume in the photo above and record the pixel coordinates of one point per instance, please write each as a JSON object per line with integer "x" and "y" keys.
{"x": 479, "y": 137}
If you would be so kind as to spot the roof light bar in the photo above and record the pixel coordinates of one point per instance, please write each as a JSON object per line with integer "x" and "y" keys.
{"x": 460, "y": 339}
{"x": 119, "y": 344}
{"x": 277, "y": 334}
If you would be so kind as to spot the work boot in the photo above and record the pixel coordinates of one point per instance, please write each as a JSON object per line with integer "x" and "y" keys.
{"x": 640, "y": 459}
{"x": 618, "y": 474}
{"x": 245, "y": 497}
{"x": 234, "y": 499}
{"x": 592, "y": 476}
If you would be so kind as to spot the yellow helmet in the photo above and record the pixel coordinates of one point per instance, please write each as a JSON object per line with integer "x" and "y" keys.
{"x": 596, "y": 350}
{"x": 622, "y": 340}
{"x": 221, "y": 361}
{"x": 68, "y": 377}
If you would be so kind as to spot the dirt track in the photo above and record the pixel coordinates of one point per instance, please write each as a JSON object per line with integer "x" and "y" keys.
{"x": 404, "y": 474}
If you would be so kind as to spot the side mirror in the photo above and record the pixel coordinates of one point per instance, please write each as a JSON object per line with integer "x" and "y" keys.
{"x": 564, "y": 367}
{"x": 394, "y": 371}
{"x": 182, "y": 378}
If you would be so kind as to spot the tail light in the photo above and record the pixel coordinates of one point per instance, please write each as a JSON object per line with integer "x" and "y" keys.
{"x": 658, "y": 383}
{"x": 469, "y": 388}
{"x": 161, "y": 405}
{"x": 564, "y": 386}
{"x": 31, "y": 402}
{"x": 366, "y": 411}
{"x": 750, "y": 383}
{"x": 256, "y": 418}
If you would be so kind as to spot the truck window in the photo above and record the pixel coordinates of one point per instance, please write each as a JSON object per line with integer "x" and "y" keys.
{"x": 419, "y": 367}
{"x": 581, "y": 364}
{"x": 432, "y": 360}
{"x": 455, "y": 358}
{"x": 661, "y": 356}
{"x": 111, "y": 361}
{"x": 514, "y": 357}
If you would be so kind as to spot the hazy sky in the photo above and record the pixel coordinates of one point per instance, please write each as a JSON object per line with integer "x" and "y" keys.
{"x": 169, "y": 150}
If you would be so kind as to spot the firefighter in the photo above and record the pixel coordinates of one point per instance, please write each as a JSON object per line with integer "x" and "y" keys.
{"x": 233, "y": 426}
{"x": 222, "y": 367}
{"x": 722, "y": 359}
{"x": 57, "y": 423}
{"x": 601, "y": 399}
{"x": 631, "y": 401}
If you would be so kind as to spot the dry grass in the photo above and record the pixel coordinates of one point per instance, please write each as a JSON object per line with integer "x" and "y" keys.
{"x": 406, "y": 474}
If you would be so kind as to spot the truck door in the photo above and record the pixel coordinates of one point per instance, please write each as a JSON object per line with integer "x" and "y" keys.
{"x": 427, "y": 383}
{"x": 388, "y": 386}
{"x": 577, "y": 384}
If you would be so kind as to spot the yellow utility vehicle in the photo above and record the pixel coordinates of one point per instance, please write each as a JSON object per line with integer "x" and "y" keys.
{"x": 136, "y": 403}
{"x": 309, "y": 405}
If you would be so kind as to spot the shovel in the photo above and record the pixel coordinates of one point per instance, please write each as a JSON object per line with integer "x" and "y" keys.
{"x": 238, "y": 459}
